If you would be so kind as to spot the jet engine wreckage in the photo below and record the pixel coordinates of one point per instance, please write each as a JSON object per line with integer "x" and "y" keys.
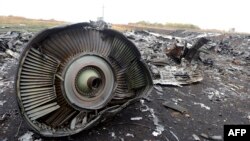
{"x": 73, "y": 77}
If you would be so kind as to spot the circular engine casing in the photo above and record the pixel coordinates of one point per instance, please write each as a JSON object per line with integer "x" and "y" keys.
{"x": 72, "y": 77}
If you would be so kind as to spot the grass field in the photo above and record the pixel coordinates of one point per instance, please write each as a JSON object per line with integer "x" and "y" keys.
{"x": 15, "y": 23}
{"x": 162, "y": 30}
{"x": 10, "y": 23}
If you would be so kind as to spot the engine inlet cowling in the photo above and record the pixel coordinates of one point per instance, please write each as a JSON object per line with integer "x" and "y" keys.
{"x": 70, "y": 78}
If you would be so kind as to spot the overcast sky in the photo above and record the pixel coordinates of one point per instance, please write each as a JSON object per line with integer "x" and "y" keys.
{"x": 208, "y": 14}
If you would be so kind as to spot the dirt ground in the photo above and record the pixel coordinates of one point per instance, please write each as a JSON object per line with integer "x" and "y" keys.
{"x": 221, "y": 98}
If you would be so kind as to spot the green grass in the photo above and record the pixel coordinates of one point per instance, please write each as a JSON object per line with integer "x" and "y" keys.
{"x": 10, "y": 23}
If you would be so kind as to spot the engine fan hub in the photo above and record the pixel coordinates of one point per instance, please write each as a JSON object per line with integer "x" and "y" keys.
{"x": 88, "y": 82}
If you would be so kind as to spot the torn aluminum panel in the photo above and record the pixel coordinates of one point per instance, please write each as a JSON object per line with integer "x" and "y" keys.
{"x": 179, "y": 75}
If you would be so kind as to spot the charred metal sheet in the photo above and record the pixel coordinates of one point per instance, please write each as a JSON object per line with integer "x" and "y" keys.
{"x": 179, "y": 51}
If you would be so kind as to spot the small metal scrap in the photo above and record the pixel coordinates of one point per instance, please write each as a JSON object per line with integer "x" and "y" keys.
{"x": 136, "y": 118}
{"x": 173, "y": 106}
{"x": 196, "y": 138}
